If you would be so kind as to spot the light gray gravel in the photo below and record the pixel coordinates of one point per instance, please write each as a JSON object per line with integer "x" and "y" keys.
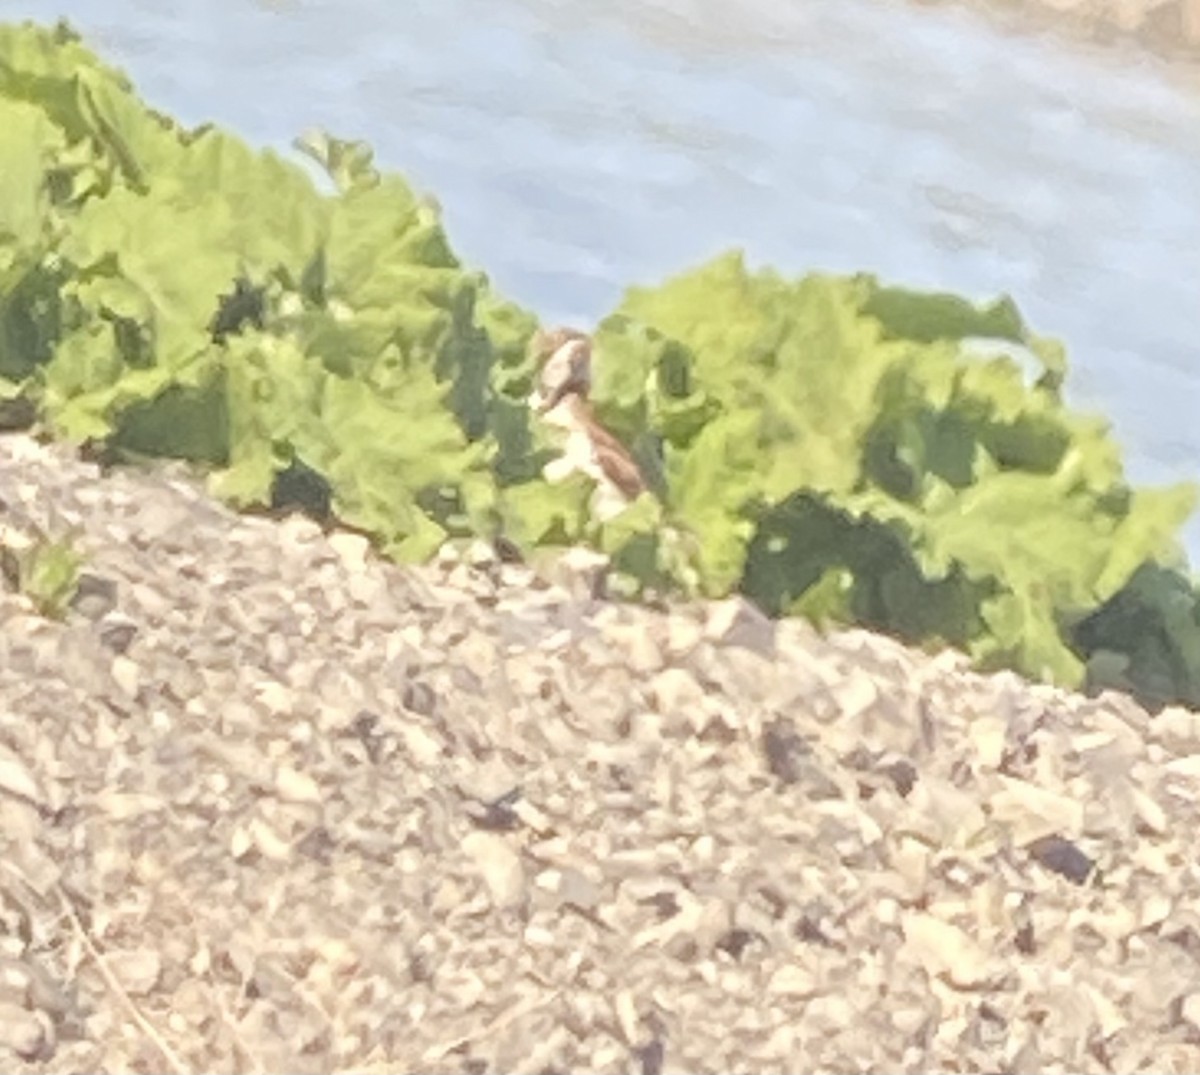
{"x": 269, "y": 804}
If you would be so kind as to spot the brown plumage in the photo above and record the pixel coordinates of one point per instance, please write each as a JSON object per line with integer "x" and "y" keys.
{"x": 614, "y": 460}
{"x": 564, "y": 356}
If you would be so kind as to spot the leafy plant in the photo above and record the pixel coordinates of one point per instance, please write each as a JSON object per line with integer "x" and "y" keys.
{"x": 46, "y": 570}
{"x": 831, "y": 446}
{"x": 845, "y": 451}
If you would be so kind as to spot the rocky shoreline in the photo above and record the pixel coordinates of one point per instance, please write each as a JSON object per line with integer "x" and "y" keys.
{"x": 1167, "y": 28}
{"x": 270, "y": 804}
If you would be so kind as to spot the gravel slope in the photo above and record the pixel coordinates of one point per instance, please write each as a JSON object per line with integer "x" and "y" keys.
{"x": 268, "y": 804}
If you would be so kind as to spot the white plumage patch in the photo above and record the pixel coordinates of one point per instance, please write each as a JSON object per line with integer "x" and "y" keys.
{"x": 580, "y": 456}
{"x": 560, "y": 398}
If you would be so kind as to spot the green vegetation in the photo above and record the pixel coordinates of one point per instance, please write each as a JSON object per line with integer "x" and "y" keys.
{"x": 842, "y": 450}
{"x": 833, "y": 447}
{"x": 46, "y": 570}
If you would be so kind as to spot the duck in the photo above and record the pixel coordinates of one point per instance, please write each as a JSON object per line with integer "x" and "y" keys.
{"x": 563, "y": 358}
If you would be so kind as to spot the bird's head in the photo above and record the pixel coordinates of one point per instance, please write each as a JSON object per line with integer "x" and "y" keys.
{"x": 563, "y": 357}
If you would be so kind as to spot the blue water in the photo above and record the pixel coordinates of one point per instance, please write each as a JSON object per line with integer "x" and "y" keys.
{"x": 577, "y": 148}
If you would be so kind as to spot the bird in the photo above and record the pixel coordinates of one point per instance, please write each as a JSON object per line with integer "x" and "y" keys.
{"x": 563, "y": 357}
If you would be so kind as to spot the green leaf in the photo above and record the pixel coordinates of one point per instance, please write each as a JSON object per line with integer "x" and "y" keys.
{"x": 926, "y": 316}
{"x": 538, "y": 513}
{"x": 348, "y": 164}
{"x": 47, "y": 572}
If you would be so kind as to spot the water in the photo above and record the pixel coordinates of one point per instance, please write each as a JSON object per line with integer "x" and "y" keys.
{"x": 577, "y": 148}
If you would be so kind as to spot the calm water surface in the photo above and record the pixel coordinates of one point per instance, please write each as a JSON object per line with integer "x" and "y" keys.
{"x": 579, "y": 147}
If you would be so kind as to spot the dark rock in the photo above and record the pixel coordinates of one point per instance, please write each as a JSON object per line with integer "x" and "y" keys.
{"x": 95, "y": 597}
{"x": 1062, "y": 857}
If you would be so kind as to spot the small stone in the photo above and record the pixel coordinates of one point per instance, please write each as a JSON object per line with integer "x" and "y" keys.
{"x": 520, "y": 577}
{"x": 1034, "y": 812}
{"x": 16, "y": 779}
{"x": 1178, "y": 728}
{"x": 117, "y": 632}
{"x": 941, "y": 814}
{"x": 697, "y": 925}
{"x": 676, "y": 691}
{"x": 163, "y": 520}
{"x": 627, "y": 1017}
{"x": 580, "y": 571}
{"x": 419, "y": 698}
{"x": 1152, "y": 816}
{"x": 241, "y": 843}
{"x": 738, "y": 940}
{"x": 296, "y": 787}
{"x": 1110, "y": 1017}
{"x": 496, "y": 816}
{"x": 341, "y": 956}
{"x": 539, "y": 937}
{"x": 790, "y": 759}
{"x": 1062, "y": 857}
{"x": 25, "y": 982}
{"x": 138, "y": 970}
{"x": 683, "y": 636}
{"x": 127, "y": 676}
{"x": 352, "y": 550}
{"x": 480, "y": 554}
{"x": 499, "y": 865}
{"x": 23, "y": 1032}
{"x": 118, "y": 806}
{"x": 95, "y": 597}
{"x": 651, "y": 1056}
{"x": 942, "y": 948}
{"x": 902, "y": 773}
{"x": 269, "y": 842}
{"x": 365, "y": 588}
{"x": 491, "y": 781}
{"x": 785, "y": 750}
{"x": 988, "y": 735}
{"x": 275, "y": 697}
{"x": 738, "y": 622}
{"x": 1189, "y": 1009}
{"x": 578, "y": 890}
{"x": 910, "y": 1021}
{"x": 425, "y": 748}
{"x": 1156, "y": 910}
{"x": 854, "y": 696}
{"x": 637, "y": 650}
{"x": 793, "y": 980}
{"x": 532, "y": 817}
{"x": 1188, "y": 767}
